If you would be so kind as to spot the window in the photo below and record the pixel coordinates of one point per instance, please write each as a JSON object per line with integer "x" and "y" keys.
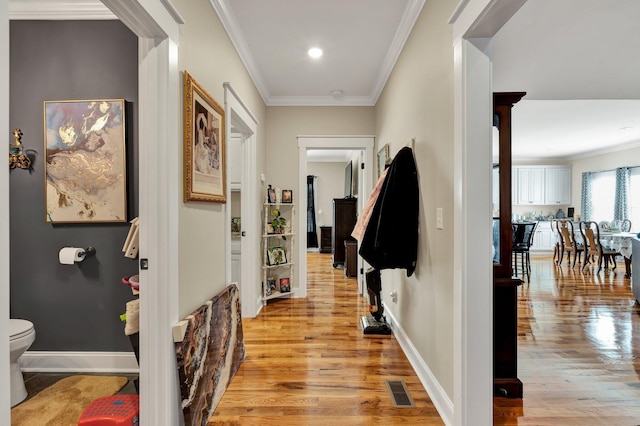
{"x": 603, "y": 193}
{"x": 634, "y": 199}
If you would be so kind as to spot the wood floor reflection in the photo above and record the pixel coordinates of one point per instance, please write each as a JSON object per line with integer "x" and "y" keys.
{"x": 308, "y": 363}
{"x": 578, "y": 349}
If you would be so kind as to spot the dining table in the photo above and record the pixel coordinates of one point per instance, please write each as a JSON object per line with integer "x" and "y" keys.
{"x": 621, "y": 242}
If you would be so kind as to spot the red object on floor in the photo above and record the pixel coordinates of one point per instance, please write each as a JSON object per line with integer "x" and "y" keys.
{"x": 115, "y": 410}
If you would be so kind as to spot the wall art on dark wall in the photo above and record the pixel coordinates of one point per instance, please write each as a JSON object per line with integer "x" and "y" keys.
{"x": 85, "y": 167}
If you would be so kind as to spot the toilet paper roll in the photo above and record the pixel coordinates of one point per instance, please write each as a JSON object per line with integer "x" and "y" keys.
{"x": 70, "y": 255}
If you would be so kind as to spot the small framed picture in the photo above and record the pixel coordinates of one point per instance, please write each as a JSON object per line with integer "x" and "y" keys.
{"x": 270, "y": 286}
{"x": 287, "y": 196}
{"x": 276, "y": 255}
{"x": 271, "y": 195}
{"x": 285, "y": 286}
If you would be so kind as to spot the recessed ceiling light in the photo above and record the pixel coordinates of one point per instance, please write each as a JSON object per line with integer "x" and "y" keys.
{"x": 315, "y": 52}
{"x": 624, "y": 129}
{"x": 336, "y": 93}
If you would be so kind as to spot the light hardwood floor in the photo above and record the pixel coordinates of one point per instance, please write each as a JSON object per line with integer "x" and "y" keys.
{"x": 308, "y": 363}
{"x": 578, "y": 349}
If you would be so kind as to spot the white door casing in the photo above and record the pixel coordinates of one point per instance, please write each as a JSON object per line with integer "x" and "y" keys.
{"x": 365, "y": 143}
{"x": 240, "y": 118}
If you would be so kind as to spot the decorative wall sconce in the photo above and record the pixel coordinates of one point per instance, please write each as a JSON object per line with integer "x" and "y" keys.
{"x": 16, "y": 157}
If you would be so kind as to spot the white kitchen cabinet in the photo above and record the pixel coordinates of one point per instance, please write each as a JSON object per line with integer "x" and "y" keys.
{"x": 557, "y": 185}
{"x": 544, "y": 239}
{"x": 541, "y": 185}
{"x": 531, "y": 185}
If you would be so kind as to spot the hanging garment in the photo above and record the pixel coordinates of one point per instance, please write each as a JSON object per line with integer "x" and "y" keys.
{"x": 391, "y": 238}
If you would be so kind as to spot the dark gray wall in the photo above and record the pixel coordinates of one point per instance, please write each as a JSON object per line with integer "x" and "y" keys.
{"x": 73, "y": 307}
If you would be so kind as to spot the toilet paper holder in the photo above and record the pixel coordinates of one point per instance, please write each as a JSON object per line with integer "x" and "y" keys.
{"x": 71, "y": 255}
{"x": 89, "y": 251}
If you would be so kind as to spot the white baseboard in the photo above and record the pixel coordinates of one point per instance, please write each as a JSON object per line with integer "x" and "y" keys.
{"x": 438, "y": 396}
{"x": 79, "y": 362}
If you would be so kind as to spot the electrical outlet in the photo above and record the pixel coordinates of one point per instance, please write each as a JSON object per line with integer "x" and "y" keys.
{"x": 439, "y": 223}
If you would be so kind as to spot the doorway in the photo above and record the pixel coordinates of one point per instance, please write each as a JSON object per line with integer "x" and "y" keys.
{"x": 242, "y": 245}
{"x": 365, "y": 185}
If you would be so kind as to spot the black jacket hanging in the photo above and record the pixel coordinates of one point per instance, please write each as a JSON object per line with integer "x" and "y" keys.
{"x": 391, "y": 238}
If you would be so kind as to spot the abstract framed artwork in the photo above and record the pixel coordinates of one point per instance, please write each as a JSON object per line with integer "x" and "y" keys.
{"x": 85, "y": 165}
{"x": 204, "y": 145}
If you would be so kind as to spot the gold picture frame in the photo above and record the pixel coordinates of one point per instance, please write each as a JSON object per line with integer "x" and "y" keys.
{"x": 86, "y": 161}
{"x": 204, "y": 145}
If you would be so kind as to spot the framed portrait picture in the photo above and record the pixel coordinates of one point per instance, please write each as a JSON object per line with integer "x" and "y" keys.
{"x": 204, "y": 145}
{"x": 276, "y": 255}
{"x": 285, "y": 285}
{"x": 287, "y": 196}
{"x": 85, "y": 164}
{"x": 383, "y": 158}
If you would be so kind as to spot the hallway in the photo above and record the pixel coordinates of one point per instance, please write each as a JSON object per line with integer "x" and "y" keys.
{"x": 308, "y": 363}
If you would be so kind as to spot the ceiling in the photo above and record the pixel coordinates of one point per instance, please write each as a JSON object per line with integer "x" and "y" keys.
{"x": 361, "y": 40}
{"x": 578, "y": 61}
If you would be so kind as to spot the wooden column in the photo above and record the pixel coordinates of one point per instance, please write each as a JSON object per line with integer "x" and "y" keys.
{"x": 505, "y": 286}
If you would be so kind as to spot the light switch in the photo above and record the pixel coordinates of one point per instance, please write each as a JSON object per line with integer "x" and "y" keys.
{"x": 439, "y": 224}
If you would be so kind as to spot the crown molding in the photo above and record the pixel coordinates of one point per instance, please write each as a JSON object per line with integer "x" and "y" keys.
{"x": 409, "y": 18}
{"x": 230, "y": 24}
{"x": 59, "y": 9}
{"x": 320, "y": 101}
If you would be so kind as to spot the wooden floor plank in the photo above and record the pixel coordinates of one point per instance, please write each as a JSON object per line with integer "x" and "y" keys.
{"x": 308, "y": 363}
{"x": 578, "y": 353}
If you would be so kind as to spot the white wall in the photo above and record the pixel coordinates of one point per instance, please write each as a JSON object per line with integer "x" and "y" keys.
{"x": 329, "y": 185}
{"x": 609, "y": 161}
{"x": 417, "y": 102}
{"x": 208, "y": 55}
{"x": 285, "y": 124}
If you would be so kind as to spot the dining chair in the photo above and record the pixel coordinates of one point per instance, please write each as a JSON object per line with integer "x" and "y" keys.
{"x": 568, "y": 243}
{"x": 590, "y": 232}
{"x": 521, "y": 241}
{"x": 556, "y": 241}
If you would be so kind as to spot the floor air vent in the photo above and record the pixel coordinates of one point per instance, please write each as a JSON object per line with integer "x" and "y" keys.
{"x": 399, "y": 394}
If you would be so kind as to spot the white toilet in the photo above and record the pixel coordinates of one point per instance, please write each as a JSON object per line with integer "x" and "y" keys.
{"x": 21, "y": 336}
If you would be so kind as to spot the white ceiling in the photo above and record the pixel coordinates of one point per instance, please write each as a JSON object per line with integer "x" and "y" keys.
{"x": 361, "y": 40}
{"x": 578, "y": 60}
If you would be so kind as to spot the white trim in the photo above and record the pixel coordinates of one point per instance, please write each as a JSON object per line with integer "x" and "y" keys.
{"x": 473, "y": 285}
{"x": 230, "y": 24}
{"x": 355, "y": 142}
{"x": 320, "y": 101}
{"x": 59, "y": 10}
{"x": 159, "y": 201}
{"x": 473, "y": 313}
{"x": 409, "y": 18}
{"x": 79, "y": 362}
{"x": 5, "y": 216}
{"x": 436, "y": 392}
{"x": 239, "y": 116}
{"x": 160, "y": 196}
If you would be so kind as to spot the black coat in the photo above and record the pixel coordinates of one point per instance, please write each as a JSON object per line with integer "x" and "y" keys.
{"x": 390, "y": 240}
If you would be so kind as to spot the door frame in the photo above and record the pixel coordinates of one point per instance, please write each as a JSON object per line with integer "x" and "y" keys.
{"x": 240, "y": 117}
{"x": 474, "y": 23}
{"x": 360, "y": 142}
